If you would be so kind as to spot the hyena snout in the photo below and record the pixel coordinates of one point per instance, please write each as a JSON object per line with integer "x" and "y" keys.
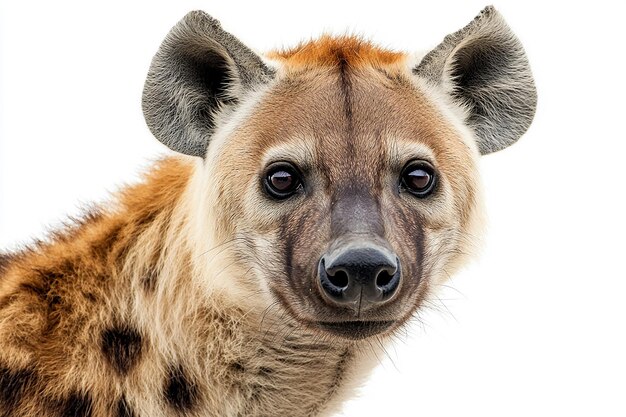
{"x": 359, "y": 276}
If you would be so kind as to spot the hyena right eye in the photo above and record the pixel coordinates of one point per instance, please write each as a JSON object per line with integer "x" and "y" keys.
{"x": 418, "y": 178}
{"x": 282, "y": 180}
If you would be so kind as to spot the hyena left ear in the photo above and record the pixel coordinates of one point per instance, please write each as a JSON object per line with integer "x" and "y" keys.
{"x": 198, "y": 70}
{"x": 484, "y": 67}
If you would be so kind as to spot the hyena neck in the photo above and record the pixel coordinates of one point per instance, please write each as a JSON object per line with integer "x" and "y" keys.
{"x": 261, "y": 361}
{"x": 245, "y": 357}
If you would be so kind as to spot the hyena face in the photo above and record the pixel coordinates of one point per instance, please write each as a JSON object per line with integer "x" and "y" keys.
{"x": 354, "y": 193}
{"x": 344, "y": 175}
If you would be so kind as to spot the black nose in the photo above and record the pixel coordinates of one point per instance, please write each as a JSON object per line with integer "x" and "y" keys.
{"x": 359, "y": 277}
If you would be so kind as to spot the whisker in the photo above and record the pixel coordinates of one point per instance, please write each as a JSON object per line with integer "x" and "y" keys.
{"x": 382, "y": 346}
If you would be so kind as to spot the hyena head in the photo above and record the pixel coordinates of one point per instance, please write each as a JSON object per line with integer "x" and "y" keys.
{"x": 342, "y": 177}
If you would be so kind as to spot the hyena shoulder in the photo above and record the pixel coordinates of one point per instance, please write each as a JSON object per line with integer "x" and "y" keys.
{"x": 66, "y": 338}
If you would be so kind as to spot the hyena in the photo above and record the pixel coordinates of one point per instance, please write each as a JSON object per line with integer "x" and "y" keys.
{"x": 317, "y": 197}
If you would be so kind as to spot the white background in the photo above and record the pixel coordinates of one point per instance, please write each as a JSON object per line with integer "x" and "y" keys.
{"x": 536, "y": 327}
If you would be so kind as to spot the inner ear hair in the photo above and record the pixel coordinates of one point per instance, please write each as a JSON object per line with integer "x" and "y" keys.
{"x": 199, "y": 69}
{"x": 484, "y": 68}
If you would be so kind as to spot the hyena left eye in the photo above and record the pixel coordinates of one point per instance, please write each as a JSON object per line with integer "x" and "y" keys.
{"x": 282, "y": 180}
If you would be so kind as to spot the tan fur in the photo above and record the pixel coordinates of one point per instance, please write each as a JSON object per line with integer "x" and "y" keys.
{"x": 190, "y": 257}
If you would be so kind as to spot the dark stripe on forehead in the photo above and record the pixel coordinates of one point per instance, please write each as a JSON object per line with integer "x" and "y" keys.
{"x": 346, "y": 91}
{"x": 354, "y": 149}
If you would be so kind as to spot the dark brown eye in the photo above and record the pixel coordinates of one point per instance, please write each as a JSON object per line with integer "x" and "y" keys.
{"x": 418, "y": 178}
{"x": 282, "y": 180}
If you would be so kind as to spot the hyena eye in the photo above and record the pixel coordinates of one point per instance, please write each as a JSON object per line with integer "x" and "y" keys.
{"x": 418, "y": 178}
{"x": 282, "y": 180}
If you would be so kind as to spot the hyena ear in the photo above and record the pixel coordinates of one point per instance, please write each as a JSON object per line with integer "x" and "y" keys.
{"x": 198, "y": 70}
{"x": 484, "y": 67}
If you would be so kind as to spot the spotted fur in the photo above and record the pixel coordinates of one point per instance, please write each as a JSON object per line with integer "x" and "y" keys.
{"x": 194, "y": 293}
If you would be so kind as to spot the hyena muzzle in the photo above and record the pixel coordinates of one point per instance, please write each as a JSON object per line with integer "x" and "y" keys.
{"x": 319, "y": 195}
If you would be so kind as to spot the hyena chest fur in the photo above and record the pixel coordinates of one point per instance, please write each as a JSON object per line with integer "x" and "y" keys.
{"x": 74, "y": 357}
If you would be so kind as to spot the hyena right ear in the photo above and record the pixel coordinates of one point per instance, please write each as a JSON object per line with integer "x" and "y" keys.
{"x": 483, "y": 66}
{"x": 198, "y": 70}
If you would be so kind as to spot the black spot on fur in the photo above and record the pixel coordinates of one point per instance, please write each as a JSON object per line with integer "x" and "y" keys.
{"x": 238, "y": 366}
{"x": 122, "y": 347}
{"x": 180, "y": 392}
{"x": 76, "y": 405}
{"x": 14, "y": 385}
{"x": 123, "y": 409}
{"x": 35, "y": 289}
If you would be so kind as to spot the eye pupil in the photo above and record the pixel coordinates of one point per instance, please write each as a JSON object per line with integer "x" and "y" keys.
{"x": 418, "y": 178}
{"x": 281, "y": 180}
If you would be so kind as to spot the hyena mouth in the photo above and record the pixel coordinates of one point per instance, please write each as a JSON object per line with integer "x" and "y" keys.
{"x": 356, "y": 330}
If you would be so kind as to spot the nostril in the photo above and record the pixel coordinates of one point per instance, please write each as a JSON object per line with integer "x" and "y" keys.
{"x": 339, "y": 279}
{"x": 383, "y": 279}
{"x": 388, "y": 281}
{"x": 334, "y": 283}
